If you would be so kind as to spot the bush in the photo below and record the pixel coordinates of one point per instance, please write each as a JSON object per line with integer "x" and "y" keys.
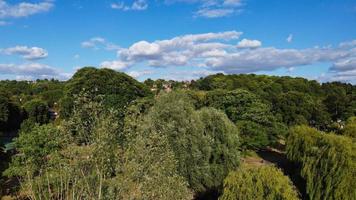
{"x": 260, "y": 183}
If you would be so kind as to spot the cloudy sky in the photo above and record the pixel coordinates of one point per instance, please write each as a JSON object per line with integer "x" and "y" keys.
{"x": 179, "y": 39}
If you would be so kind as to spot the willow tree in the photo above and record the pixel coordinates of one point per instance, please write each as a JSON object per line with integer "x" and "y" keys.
{"x": 328, "y": 162}
{"x": 205, "y": 143}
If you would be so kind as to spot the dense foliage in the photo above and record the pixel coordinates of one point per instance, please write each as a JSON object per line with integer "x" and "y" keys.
{"x": 261, "y": 183}
{"x": 104, "y": 135}
{"x": 205, "y": 142}
{"x": 350, "y": 128}
{"x": 293, "y": 100}
{"x": 88, "y": 162}
{"x": 257, "y": 124}
{"x": 118, "y": 89}
{"x": 328, "y": 162}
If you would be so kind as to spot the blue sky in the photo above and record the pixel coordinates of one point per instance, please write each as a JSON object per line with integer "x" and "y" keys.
{"x": 179, "y": 39}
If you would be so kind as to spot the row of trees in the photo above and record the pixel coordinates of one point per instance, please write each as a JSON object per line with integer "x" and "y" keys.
{"x": 294, "y": 101}
{"x": 328, "y": 162}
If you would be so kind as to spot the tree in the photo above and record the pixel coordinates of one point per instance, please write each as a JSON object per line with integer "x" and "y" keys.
{"x": 260, "y": 183}
{"x": 149, "y": 170}
{"x": 10, "y": 113}
{"x": 297, "y": 108}
{"x": 327, "y": 162}
{"x": 37, "y": 111}
{"x": 350, "y": 128}
{"x": 117, "y": 88}
{"x": 205, "y": 143}
{"x": 338, "y": 100}
{"x": 33, "y": 148}
{"x": 248, "y": 111}
{"x": 84, "y": 158}
{"x": 224, "y": 145}
{"x": 4, "y": 109}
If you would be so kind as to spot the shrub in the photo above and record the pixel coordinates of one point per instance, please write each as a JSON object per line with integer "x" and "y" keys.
{"x": 260, "y": 183}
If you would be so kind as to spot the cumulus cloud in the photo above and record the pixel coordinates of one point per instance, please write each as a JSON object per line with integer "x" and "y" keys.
{"x": 188, "y": 75}
{"x": 137, "y": 5}
{"x": 99, "y": 43}
{"x": 29, "y": 53}
{"x": 345, "y": 64}
{"x": 115, "y": 64}
{"x": 178, "y": 51}
{"x": 245, "y": 43}
{"x": 24, "y": 9}
{"x": 348, "y": 44}
{"x": 33, "y": 71}
{"x": 215, "y": 52}
{"x": 270, "y": 58}
{"x": 138, "y": 74}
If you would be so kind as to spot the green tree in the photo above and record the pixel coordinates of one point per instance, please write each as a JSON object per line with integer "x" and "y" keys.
{"x": 4, "y": 109}
{"x": 201, "y": 146}
{"x": 37, "y": 111}
{"x": 350, "y": 128}
{"x": 338, "y": 101}
{"x": 260, "y": 183}
{"x": 297, "y": 108}
{"x": 327, "y": 162}
{"x": 224, "y": 145}
{"x": 118, "y": 89}
{"x": 149, "y": 169}
{"x": 254, "y": 118}
{"x": 33, "y": 148}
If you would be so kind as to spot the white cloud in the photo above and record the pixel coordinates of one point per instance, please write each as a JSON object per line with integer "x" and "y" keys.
{"x": 348, "y": 44}
{"x": 215, "y": 8}
{"x": 29, "y": 53}
{"x": 138, "y": 74}
{"x": 215, "y": 52}
{"x": 245, "y": 43}
{"x": 99, "y": 43}
{"x": 214, "y": 12}
{"x": 23, "y": 9}
{"x": 345, "y": 64}
{"x": 205, "y": 8}
{"x": 188, "y": 75}
{"x": 270, "y": 58}
{"x": 116, "y": 64}
{"x": 177, "y": 51}
{"x": 232, "y": 2}
{"x": 118, "y": 6}
{"x": 33, "y": 70}
{"x": 137, "y": 5}
{"x": 289, "y": 38}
